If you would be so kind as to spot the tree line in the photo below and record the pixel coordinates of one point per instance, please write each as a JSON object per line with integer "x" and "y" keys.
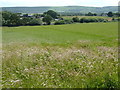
{"x": 18, "y": 19}
{"x": 109, "y": 14}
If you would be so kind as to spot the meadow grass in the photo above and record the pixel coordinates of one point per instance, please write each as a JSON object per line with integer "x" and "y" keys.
{"x": 60, "y": 56}
{"x": 61, "y": 34}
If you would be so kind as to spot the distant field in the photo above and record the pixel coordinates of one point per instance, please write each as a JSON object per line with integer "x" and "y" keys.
{"x": 61, "y": 34}
{"x": 61, "y": 56}
{"x": 104, "y": 17}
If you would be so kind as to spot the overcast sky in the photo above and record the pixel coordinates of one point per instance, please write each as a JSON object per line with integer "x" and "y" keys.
{"x": 95, "y": 3}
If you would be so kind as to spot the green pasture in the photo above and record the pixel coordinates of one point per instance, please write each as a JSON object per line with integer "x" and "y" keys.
{"x": 61, "y": 34}
{"x": 60, "y": 56}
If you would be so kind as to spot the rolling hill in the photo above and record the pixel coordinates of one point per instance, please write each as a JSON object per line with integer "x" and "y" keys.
{"x": 69, "y": 9}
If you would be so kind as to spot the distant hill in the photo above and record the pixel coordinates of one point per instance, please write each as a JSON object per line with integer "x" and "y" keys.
{"x": 70, "y": 9}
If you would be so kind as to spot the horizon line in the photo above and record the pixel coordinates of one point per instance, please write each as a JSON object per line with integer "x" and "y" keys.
{"x": 61, "y": 6}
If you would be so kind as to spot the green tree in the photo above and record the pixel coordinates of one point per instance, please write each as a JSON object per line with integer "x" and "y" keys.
{"x": 37, "y": 15}
{"x": 52, "y": 13}
{"x": 25, "y": 21}
{"x": 10, "y": 19}
{"x": 89, "y": 14}
{"x": 95, "y": 14}
{"x": 75, "y": 19}
{"x": 110, "y": 14}
{"x": 14, "y": 19}
{"x": 25, "y": 15}
{"x": 35, "y": 22}
{"x": 47, "y": 19}
{"x": 117, "y": 14}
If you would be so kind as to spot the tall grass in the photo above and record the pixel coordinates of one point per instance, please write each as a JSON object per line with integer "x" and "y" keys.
{"x": 30, "y": 66}
{"x": 37, "y": 57}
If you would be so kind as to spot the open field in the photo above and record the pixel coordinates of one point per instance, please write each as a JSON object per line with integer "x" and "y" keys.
{"x": 60, "y": 34}
{"x": 61, "y": 56}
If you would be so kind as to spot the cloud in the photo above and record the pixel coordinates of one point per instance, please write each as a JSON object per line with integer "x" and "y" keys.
{"x": 58, "y": 2}
{"x": 97, "y": 2}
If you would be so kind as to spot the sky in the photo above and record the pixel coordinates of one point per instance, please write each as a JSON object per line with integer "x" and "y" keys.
{"x": 93, "y": 3}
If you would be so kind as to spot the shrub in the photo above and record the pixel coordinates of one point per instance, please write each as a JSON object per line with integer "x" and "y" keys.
{"x": 105, "y": 20}
{"x": 115, "y": 19}
{"x": 93, "y": 20}
{"x": 87, "y": 20}
{"x": 35, "y": 22}
{"x": 60, "y": 22}
{"x": 75, "y": 19}
{"x": 47, "y": 19}
{"x": 100, "y": 20}
{"x": 69, "y": 21}
{"x": 84, "y": 20}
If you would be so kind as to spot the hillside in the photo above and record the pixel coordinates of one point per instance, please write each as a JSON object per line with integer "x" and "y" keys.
{"x": 71, "y": 9}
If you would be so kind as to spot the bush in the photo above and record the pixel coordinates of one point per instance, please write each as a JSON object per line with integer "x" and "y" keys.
{"x": 75, "y": 19}
{"x": 88, "y": 20}
{"x": 93, "y": 20}
{"x": 100, "y": 20}
{"x": 60, "y": 22}
{"x": 115, "y": 19}
{"x": 105, "y": 20}
{"x": 84, "y": 20}
{"x": 69, "y": 21}
{"x": 35, "y": 22}
{"x": 47, "y": 19}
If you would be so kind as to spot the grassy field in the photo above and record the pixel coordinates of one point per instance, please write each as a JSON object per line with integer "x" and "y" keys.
{"x": 60, "y": 56}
